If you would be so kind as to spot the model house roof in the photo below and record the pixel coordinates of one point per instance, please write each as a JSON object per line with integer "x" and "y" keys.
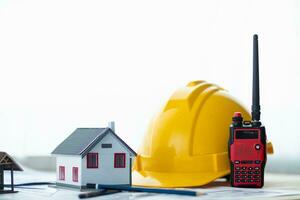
{"x": 6, "y": 161}
{"x": 82, "y": 140}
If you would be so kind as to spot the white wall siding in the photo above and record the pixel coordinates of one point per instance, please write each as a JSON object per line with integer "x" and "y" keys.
{"x": 68, "y": 162}
{"x": 106, "y": 173}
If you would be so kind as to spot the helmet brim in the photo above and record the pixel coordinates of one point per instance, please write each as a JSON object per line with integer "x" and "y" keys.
{"x": 171, "y": 180}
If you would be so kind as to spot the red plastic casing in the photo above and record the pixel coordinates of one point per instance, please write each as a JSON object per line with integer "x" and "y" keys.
{"x": 247, "y": 157}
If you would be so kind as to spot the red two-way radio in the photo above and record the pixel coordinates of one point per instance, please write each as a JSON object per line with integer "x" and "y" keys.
{"x": 247, "y": 140}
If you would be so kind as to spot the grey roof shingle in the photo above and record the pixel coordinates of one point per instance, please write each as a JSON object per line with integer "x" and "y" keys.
{"x": 78, "y": 141}
{"x": 82, "y": 140}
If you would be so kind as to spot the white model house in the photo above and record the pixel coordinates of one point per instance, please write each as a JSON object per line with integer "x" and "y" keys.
{"x": 93, "y": 155}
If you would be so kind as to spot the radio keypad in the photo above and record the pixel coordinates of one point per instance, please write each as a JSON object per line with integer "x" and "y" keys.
{"x": 244, "y": 174}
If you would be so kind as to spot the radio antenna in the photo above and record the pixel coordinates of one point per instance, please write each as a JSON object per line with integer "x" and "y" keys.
{"x": 255, "y": 87}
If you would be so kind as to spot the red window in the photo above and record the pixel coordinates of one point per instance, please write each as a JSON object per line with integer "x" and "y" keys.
{"x": 61, "y": 172}
{"x": 75, "y": 174}
{"x": 120, "y": 160}
{"x": 92, "y": 160}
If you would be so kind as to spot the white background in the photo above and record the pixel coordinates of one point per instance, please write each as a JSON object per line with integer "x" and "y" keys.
{"x": 69, "y": 64}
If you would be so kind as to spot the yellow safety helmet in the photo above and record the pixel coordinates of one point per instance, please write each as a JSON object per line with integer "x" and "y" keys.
{"x": 186, "y": 143}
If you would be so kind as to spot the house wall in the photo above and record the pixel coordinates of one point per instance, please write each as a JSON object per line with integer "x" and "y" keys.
{"x": 68, "y": 162}
{"x": 106, "y": 173}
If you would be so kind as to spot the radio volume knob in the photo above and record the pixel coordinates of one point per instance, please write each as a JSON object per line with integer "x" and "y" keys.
{"x": 237, "y": 119}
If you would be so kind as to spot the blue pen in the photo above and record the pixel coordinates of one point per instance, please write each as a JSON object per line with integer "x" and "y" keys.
{"x": 143, "y": 189}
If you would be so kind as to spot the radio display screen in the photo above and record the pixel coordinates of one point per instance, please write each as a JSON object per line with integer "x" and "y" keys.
{"x": 246, "y": 134}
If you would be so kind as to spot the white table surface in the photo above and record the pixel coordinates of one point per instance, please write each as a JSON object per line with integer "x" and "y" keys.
{"x": 277, "y": 186}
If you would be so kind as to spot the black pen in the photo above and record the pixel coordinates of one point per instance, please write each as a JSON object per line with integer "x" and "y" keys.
{"x": 100, "y": 192}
